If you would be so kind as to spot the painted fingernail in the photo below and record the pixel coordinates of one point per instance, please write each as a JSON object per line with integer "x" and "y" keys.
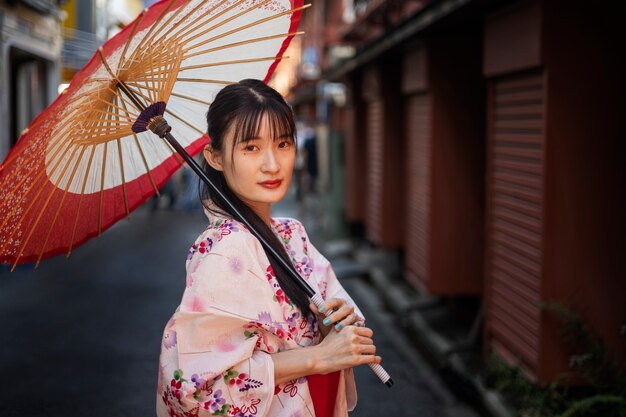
{"x": 321, "y": 309}
{"x": 339, "y": 326}
{"x": 326, "y": 321}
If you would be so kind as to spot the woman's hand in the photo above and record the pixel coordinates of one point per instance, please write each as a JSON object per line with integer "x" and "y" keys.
{"x": 345, "y": 349}
{"x": 350, "y": 347}
{"x": 343, "y": 315}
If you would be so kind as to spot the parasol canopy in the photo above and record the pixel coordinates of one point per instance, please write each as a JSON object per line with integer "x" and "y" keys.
{"x": 87, "y": 160}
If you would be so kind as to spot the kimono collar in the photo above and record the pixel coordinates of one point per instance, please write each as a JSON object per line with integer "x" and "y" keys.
{"x": 214, "y": 213}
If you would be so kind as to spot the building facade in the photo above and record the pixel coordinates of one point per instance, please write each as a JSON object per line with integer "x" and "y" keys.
{"x": 88, "y": 24}
{"x": 481, "y": 141}
{"x": 30, "y": 54}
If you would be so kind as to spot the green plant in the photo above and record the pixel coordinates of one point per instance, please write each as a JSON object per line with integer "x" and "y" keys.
{"x": 605, "y": 395}
{"x": 597, "y": 405}
{"x": 529, "y": 398}
{"x": 590, "y": 357}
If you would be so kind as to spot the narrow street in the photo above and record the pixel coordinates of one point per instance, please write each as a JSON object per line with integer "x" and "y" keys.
{"x": 82, "y": 335}
{"x": 459, "y": 162}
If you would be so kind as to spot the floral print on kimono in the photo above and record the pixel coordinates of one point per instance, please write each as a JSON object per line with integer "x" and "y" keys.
{"x": 216, "y": 348}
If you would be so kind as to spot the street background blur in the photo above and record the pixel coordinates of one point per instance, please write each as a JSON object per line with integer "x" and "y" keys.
{"x": 462, "y": 164}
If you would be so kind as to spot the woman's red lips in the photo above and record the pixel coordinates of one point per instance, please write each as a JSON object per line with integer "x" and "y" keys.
{"x": 271, "y": 184}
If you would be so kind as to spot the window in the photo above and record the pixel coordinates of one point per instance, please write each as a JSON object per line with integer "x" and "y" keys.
{"x": 28, "y": 82}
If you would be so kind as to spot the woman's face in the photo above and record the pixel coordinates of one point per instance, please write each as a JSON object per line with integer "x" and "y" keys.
{"x": 258, "y": 170}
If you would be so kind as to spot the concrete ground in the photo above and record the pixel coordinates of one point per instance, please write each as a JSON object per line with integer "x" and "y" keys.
{"x": 81, "y": 337}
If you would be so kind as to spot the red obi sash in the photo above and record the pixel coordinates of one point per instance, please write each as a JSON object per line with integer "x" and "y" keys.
{"x": 323, "y": 389}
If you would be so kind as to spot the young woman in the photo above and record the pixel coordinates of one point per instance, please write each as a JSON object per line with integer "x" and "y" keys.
{"x": 245, "y": 341}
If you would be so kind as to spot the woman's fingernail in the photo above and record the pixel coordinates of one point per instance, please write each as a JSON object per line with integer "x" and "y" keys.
{"x": 339, "y": 326}
{"x": 321, "y": 309}
{"x": 326, "y": 321}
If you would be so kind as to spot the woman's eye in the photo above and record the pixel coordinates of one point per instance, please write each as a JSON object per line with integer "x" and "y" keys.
{"x": 284, "y": 144}
{"x": 251, "y": 148}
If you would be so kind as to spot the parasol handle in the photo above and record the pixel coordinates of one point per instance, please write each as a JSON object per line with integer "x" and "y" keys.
{"x": 315, "y": 298}
{"x": 376, "y": 367}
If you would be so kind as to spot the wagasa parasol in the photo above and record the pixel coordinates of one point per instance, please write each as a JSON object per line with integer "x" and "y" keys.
{"x": 87, "y": 160}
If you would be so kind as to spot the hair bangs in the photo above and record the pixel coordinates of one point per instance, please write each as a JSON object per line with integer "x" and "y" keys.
{"x": 250, "y": 122}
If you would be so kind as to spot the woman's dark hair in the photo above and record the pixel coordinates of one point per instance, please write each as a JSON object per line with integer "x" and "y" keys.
{"x": 238, "y": 110}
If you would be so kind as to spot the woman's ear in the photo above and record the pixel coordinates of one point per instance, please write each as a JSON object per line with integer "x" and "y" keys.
{"x": 213, "y": 158}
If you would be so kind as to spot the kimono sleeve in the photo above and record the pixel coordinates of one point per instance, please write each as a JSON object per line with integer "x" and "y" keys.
{"x": 221, "y": 366}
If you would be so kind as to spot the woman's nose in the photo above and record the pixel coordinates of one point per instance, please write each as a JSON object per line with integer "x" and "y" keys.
{"x": 270, "y": 161}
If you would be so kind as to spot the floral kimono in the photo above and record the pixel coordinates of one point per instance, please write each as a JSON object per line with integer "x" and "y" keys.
{"x": 215, "y": 354}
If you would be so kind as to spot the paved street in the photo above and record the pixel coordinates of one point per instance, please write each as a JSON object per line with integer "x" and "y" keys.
{"x": 80, "y": 337}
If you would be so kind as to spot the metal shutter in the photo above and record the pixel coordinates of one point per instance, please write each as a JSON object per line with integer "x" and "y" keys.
{"x": 418, "y": 188}
{"x": 515, "y": 217}
{"x": 375, "y": 173}
{"x": 354, "y": 169}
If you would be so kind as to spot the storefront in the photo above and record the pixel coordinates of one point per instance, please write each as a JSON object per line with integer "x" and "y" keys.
{"x": 443, "y": 92}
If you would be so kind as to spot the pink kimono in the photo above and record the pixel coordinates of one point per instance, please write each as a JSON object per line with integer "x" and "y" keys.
{"x": 215, "y": 354}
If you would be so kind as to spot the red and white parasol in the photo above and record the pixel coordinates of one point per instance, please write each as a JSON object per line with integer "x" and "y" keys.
{"x": 87, "y": 161}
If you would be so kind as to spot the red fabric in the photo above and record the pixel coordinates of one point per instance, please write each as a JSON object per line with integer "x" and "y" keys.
{"x": 323, "y": 389}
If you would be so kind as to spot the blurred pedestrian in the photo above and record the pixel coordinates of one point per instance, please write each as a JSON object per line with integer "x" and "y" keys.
{"x": 310, "y": 147}
{"x": 300, "y": 164}
{"x": 168, "y": 192}
{"x": 245, "y": 340}
{"x": 189, "y": 197}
